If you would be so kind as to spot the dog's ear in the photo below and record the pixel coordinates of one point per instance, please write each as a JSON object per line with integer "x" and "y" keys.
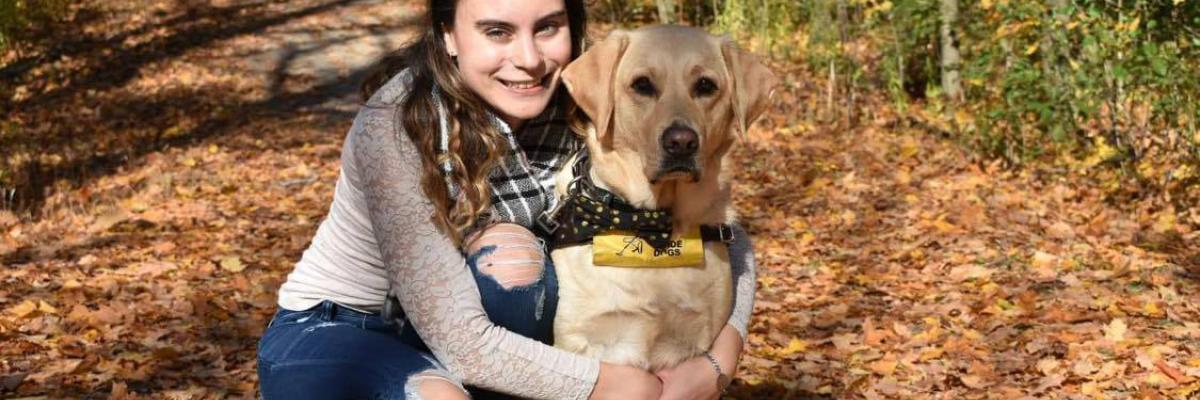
{"x": 590, "y": 80}
{"x": 753, "y": 84}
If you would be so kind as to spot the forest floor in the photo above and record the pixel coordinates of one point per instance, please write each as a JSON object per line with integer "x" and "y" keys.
{"x": 181, "y": 155}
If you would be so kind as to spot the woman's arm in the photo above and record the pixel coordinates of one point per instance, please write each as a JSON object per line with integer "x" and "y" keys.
{"x": 436, "y": 290}
{"x": 741, "y": 260}
{"x": 696, "y": 378}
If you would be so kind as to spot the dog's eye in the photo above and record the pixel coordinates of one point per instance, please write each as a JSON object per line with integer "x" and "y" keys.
{"x": 644, "y": 87}
{"x": 704, "y": 87}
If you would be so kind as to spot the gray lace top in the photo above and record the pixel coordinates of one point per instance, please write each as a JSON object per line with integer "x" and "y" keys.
{"x": 378, "y": 234}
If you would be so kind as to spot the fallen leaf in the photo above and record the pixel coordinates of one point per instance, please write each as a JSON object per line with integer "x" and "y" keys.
{"x": 1115, "y": 331}
{"x": 1172, "y": 372}
{"x": 23, "y": 310}
{"x": 232, "y": 264}
{"x": 885, "y": 366}
{"x": 1047, "y": 366}
{"x": 794, "y": 346}
{"x": 974, "y": 381}
{"x": 45, "y": 307}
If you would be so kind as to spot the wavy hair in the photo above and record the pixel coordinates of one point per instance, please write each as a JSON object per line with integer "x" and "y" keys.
{"x": 476, "y": 147}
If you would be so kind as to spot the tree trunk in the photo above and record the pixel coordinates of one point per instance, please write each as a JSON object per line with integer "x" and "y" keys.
{"x": 951, "y": 62}
{"x": 666, "y": 11}
{"x": 843, "y": 24}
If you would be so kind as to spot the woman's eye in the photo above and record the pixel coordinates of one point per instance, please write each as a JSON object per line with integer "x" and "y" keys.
{"x": 644, "y": 87}
{"x": 496, "y": 33}
{"x": 704, "y": 87}
{"x": 548, "y": 30}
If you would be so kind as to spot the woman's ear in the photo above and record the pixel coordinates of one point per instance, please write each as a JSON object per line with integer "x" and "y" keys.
{"x": 448, "y": 38}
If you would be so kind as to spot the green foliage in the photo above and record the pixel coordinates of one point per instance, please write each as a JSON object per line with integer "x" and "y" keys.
{"x": 770, "y": 25}
{"x": 1119, "y": 79}
{"x": 18, "y": 15}
{"x": 910, "y": 28}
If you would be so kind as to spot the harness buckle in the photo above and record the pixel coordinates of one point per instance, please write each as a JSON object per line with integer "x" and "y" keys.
{"x": 548, "y": 220}
{"x": 725, "y": 233}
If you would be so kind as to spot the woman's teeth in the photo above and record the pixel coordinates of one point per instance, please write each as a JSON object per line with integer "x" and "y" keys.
{"x": 522, "y": 85}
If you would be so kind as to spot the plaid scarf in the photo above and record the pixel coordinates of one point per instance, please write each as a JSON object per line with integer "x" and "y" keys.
{"x": 523, "y": 183}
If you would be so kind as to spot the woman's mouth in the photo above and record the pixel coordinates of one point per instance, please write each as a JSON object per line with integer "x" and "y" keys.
{"x": 530, "y": 86}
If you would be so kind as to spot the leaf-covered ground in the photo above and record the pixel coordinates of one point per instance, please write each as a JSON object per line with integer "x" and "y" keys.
{"x": 189, "y": 150}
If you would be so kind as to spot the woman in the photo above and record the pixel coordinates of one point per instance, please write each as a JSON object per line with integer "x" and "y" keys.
{"x": 466, "y": 125}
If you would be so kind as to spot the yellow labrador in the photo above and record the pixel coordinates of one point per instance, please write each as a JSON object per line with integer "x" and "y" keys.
{"x": 666, "y": 104}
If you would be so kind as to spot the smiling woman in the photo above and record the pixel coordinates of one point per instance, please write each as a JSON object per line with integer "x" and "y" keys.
{"x": 514, "y": 69}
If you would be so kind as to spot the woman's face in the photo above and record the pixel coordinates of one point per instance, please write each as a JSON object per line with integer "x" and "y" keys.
{"x": 510, "y": 52}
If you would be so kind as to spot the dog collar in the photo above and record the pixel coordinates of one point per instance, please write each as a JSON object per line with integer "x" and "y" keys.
{"x": 588, "y": 210}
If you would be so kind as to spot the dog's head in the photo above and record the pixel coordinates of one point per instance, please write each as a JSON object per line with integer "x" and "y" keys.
{"x": 666, "y": 100}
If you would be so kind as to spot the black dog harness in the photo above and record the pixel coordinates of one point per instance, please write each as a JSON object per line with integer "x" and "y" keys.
{"x": 588, "y": 210}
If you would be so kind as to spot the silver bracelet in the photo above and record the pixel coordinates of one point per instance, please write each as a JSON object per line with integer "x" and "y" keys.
{"x": 723, "y": 379}
{"x": 713, "y": 360}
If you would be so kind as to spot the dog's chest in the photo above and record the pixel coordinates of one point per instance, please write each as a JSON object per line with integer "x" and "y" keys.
{"x": 648, "y": 317}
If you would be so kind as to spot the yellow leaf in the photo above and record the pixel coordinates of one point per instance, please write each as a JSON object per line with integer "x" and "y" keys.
{"x": 1044, "y": 260}
{"x": 1115, "y": 331}
{"x": 1152, "y": 309}
{"x": 213, "y": 149}
{"x": 793, "y": 347}
{"x": 807, "y": 238}
{"x": 1157, "y": 379}
{"x": 962, "y": 117}
{"x": 1165, "y": 222}
{"x": 25, "y": 309}
{"x": 191, "y": 162}
{"x": 1031, "y": 49}
{"x": 45, "y": 307}
{"x": 885, "y": 366}
{"x": 989, "y": 287}
{"x": 909, "y": 147}
{"x": 232, "y": 264}
{"x": 931, "y": 353}
{"x": 943, "y": 226}
{"x": 1089, "y": 388}
{"x": 849, "y": 218}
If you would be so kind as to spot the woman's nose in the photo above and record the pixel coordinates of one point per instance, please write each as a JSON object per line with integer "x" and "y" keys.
{"x": 527, "y": 55}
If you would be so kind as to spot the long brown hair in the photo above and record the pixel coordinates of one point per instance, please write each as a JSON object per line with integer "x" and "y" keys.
{"x": 476, "y": 147}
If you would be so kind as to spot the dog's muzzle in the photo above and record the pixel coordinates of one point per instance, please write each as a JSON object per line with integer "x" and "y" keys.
{"x": 679, "y": 144}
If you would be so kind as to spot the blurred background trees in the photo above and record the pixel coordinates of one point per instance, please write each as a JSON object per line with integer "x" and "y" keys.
{"x": 1107, "y": 88}
{"x": 18, "y": 16}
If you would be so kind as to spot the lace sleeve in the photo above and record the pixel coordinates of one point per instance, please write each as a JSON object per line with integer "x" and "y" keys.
{"x": 436, "y": 289}
{"x": 741, "y": 259}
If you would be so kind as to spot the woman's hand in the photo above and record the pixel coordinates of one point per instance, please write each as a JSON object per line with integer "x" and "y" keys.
{"x": 692, "y": 379}
{"x": 620, "y": 382}
{"x": 696, "y": 378}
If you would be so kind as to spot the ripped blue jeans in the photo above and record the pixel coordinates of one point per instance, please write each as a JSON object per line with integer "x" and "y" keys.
{"x": 333, "y": 352}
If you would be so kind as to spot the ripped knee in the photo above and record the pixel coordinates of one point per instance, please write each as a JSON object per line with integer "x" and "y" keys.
{"x": 433, "y": 385}
{"x": 518, "y": 258}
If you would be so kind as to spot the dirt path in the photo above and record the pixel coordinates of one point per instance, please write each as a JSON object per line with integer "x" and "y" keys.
{"x": 891, "y": 264}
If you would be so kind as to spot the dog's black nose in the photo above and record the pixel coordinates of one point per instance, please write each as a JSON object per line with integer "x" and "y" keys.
{"x": 680, "y": 141}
